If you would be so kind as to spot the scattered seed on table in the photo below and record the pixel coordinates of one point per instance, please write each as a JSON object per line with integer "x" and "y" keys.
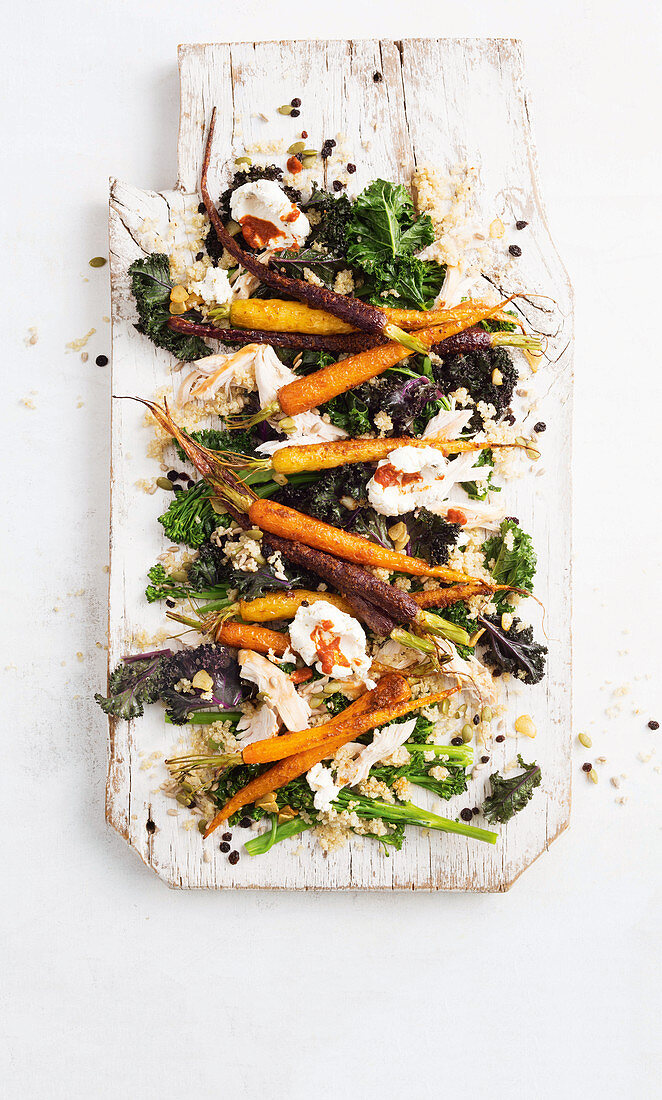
{"x": 295, "y": 114}
{"x": 540, "y": 426}
{"x": 163, "y": 483}
{"x": 500, "y": 738}
{"x": 351, "y": 168}
{"x": 233, "y": 857}
{"x": 101, "y": 360}
{"x": 521, "y": 225}
{"x": 224, "y": 846}
{"x": 377, "y": 77}
{"x": 337, "y": 185}
{"x": 457, "y": 741}
{"x": 466, "y": 814}
{"x": 587, "y": 767}
{"x": 653, "y": 725}
{"x": 245, "y": 823}
{"x": 515, "y": 250}
{"x": 226, "y": 836}
{"x": 98, "y": 261}
{"x": 584, "y": 740}
{"x": 202, "y": 209}
{"x": 593, "y": 775}
{"x": 484, "y": 759}
{"x": 295, "y": 102}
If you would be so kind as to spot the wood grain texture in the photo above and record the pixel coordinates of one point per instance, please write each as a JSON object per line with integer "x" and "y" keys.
{"x": 440, "y": 101}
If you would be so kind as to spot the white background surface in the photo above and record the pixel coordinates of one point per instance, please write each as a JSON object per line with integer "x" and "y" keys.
{"x": 113, "y": 985}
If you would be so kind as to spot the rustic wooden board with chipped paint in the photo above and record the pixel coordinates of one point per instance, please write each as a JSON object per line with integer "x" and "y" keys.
{"x": 443, "y": 102}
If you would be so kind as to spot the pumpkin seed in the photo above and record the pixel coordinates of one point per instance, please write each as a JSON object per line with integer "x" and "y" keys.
{"x": 593, "y": 775}
{"x": 467, "y": 732}
{"x": 202, "y": 826}
{"x": 180, "y": 575}
{"x": 445, "y": 706}
{"x": 297, "y": 147}
{"x": 165, "y": 483}
{"x": 286, "y": 109}
{"x": 585, "y": 740}
{"x": 525, "y": 725}
{"x": 98, "y": 261}
{"x": 243, "y": 160}
{"x": 310, "y": 152}
{"x": 486, "y": 715}
{"x": 233, "y": 228}
{"x": 309, "y": 161}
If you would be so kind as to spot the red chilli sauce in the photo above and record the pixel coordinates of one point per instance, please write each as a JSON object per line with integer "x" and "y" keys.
{"x": 388, "y": 475}
{"x": 258, "y": 233}
{"x": 328, "y": 648}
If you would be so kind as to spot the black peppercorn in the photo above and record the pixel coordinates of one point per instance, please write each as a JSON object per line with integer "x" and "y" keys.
{"x": 515, "y": 250}
{"x": 295, "y": 102}
{"x": 521, "y": 225}
{"x": 226, "y": 836}
{"x": 170, "y": 603}
{"x": 500, "y": 738}
{"x": 351, "y": 168}
{"x": 457, "y": 741}
{"x": 476, "y": 719}
{"x": 484, "y": 759}
{"x": 337, "y": 185}
{"x": 190, "y": 484}
{"x": 587, "y": 767}
{"x": 150, "y": 826}
{"x": 653, "y": 725}
{"x": 233, "y": 857}
{"x": 293, "y": 114}
{"x": 101, "y": 360}
{"x": 172, "y": 475}
{"x": 476, "y": 810}
{"x": 199, "y": 256}
{"x": 466, "y": 815}
{"x": 245, "y": 823}
{"x": 201, "y": 208}
{"x": 225, "y": 847}
{"x": 540, "y": 426}
{"x": 377, "y": 77}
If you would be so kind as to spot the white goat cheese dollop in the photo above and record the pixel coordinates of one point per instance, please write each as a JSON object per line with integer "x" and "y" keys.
{"x": 267, "y": 217}
{"x": 215, "y": 288}
{"x": 333, "y": 641}
{"x": 419, "y": 477}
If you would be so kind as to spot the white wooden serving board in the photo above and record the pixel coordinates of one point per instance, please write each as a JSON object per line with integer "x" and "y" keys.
{"x": 440, "y": 101}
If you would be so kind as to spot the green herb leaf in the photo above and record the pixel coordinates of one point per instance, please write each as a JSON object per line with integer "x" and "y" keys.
{"x": 511, "y": 560}
{"x": 151, "y": 285}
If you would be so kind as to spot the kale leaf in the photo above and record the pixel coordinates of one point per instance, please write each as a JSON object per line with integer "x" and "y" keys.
{"x": 218, "y": 439}
{"x": 336, "y": 213}
{"x": 511, "y": 560}
{"x": 512, "y": 650}
{"x": 211, "y": 570}
{"x": 410, "y": 402}
{"x": 473, "y": 371}
{"x": 478, "y": 490}
{"x": 190, "y": 517}
{"x": 219, "y": 663}
{"x": 321, "y": 498}
{"x": 138, "y": 680}
{"x": 151, "y": 285}
{"x": 511, "y": 795}
{"x": 383, "y": 235}
{"x": 433, "y": 537}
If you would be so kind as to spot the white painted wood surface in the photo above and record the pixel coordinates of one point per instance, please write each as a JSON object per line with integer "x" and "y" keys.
{"x": 440, "y": 101}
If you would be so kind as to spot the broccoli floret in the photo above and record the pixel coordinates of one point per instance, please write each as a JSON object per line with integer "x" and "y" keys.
{"x": 513, "y": 650}
{"x": 190, "y": 517}
{"x": 473, "y": 371}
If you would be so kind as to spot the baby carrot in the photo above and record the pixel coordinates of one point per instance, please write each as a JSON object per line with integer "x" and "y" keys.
{"x": 276, "y": 748}
{"x": 284, "y": 605}
{"x": 246, "y": 636}
{"x": 325, "y": 456}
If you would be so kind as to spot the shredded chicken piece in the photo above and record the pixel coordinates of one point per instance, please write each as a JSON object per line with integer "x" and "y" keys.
{"x": 276, "y": 688}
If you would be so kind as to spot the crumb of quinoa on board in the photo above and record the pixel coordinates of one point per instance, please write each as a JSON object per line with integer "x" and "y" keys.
{"x": 447, "y": 199}
{"x": 79, "y": 344}
{"x": 28, "y": 403}
{"x": 146, "y": 485}
{"x": 31, "y": 336}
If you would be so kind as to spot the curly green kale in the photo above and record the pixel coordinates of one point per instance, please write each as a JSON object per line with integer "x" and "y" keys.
{"x": 383, "y": 235}
{"x": 217, "y": 439}
{"x": 433, "y": 537}
{"x": 513, "y": 650}
{"x": 473, "y": 371}
{"x": 335, "y": 214}
{"x": 511, "y": 560}
{"x": 321, "y": 498}
{"x": 151, "y": 285}
{"x": 511, "y": 795}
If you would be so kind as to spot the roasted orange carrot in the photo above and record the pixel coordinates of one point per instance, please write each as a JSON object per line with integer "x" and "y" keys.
{"x": 246, "y": 636}
{"x": 284, "y": 605}
{"x": 391, "y": 689}
{"x": 301, "y": 675}
{"x": 444, "y": 597}
{"x": 277, "y": 748}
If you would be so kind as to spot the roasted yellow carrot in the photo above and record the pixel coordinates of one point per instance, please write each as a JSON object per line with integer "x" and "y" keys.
{"x": 275, "y": 315}
{"x": 325, "y": 456}
{"x": 246, "y": 636}
{"x": 391, "y": 689}
{"x": 284, "y": 605}
{"x": 277, "y": 748}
